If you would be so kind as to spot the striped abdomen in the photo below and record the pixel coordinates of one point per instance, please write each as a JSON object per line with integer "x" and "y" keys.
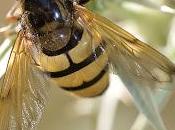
{"x": 78, "y": 68}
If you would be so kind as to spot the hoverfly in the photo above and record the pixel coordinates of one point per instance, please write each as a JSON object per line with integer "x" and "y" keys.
{"x": 64, "y": 44}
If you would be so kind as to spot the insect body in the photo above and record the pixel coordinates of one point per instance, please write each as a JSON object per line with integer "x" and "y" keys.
{"x": 62, "y": 43}
{"x": 66, "y": 52}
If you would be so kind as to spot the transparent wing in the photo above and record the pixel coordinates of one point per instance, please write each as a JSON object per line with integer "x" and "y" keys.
{"x": 128, "y": 56}
{"x": 23, "y": 90}
{"x": 138, "y": 65}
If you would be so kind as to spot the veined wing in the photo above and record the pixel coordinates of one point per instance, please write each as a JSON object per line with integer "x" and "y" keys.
{"x": 23, "y": 90}
{"x": 128, "y": 56}
{"x": 138, "y": 65}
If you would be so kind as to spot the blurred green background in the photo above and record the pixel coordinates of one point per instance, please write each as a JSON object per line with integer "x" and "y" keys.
{"x": 115, "y": 110}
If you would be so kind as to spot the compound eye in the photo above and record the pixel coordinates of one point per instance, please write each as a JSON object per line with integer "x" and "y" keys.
{"x": 82, "y": 2}
{"x": 36, "y": 20}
